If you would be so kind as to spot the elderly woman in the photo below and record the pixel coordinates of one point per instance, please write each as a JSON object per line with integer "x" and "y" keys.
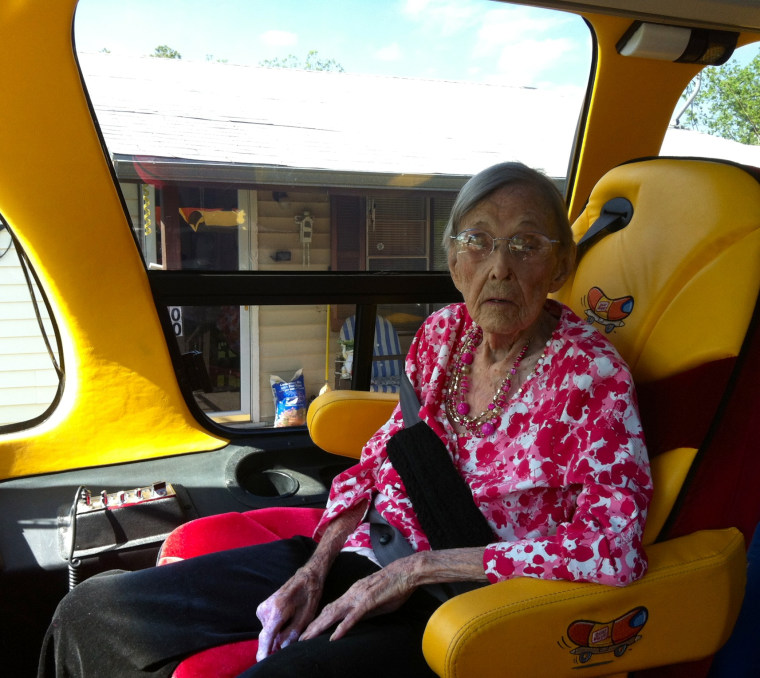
{"x": 528, "y": 416}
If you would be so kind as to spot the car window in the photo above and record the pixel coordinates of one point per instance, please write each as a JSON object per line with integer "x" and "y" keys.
{"x": 279, "y": 138}
{"x": 717, "y": 114}
{"x": 30, "y": 356}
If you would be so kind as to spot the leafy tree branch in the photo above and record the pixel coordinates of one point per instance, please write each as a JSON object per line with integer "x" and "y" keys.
{"x": 312, "y": 62}
{"x": 728, "y": 102}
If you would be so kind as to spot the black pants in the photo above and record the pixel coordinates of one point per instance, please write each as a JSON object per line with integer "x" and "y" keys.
{"x": 139, "y": 624}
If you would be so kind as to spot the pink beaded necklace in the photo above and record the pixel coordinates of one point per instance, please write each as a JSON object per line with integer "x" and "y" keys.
{"x": 457, "y": 408}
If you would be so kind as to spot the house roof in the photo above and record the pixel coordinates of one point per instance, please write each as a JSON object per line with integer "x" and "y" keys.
{"x": 187, "y": 120}
{"x": 311, "y": 120}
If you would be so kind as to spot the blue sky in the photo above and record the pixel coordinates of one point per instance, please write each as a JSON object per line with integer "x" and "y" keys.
{"x": 476, "y": 40}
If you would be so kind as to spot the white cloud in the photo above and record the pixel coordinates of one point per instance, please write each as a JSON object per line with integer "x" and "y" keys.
{"x": 510, "y": 26}
{"x": 442, "y": 17}
{"x": 522, "y": 44}
{"x": 279, "y": 38}
{"x": 390, "y": 52}
{"x": 508, "y": 40}
{"x": 532, "y": 58}
{"x": 415, "y": 7}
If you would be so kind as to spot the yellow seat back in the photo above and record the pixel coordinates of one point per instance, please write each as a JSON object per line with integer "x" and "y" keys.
{"x": 674, "y": 290}
{"x": 341, "y": 422}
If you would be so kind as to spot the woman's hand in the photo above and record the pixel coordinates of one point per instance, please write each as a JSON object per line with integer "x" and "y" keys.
{"x": 388, "y": 589}
{"x": 287, "y": 612}
{"x": 380, "y": 592}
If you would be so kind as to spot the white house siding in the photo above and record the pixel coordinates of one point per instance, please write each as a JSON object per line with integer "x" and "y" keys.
{"x": 283, "y": 339}
{"x": 292, "y": 337}
{"x": 28, "y": 381}
{"x": 278, "y": 231}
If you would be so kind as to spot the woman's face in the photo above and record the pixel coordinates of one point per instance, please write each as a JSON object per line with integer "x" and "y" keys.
{"x": 504, "y": 294}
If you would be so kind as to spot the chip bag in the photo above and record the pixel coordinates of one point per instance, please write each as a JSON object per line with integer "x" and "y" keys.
{"x": 289, "y": 400}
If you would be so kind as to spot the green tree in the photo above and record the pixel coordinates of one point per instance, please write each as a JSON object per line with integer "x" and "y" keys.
{"x": 312, "y": 62}
{"x": 728, "y": 102}
{"x": 166, "y": 52}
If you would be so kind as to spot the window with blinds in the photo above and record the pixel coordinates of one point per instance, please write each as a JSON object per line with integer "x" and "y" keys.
{"x": 389, "y": 233}
{"x": 397, "y": 233}
{"x": 440, "y": 208}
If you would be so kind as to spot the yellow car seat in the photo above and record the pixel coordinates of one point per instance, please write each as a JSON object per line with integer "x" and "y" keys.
{"x": 669, "y": 270}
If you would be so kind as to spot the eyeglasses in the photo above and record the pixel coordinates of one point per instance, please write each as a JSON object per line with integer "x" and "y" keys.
{"x": 479, "y": 244}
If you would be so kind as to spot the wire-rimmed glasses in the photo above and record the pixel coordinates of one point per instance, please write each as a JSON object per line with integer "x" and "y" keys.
{"x": 527, "y": 246}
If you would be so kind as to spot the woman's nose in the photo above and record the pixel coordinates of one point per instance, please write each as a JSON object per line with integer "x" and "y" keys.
{"x": 501, "y": 261}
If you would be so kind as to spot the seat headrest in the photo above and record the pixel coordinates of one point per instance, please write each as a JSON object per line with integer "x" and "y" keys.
{"x": 676, "y": 287}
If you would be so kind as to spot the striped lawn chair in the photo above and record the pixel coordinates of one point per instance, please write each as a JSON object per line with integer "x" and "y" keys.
{"x": 386, "y": 374}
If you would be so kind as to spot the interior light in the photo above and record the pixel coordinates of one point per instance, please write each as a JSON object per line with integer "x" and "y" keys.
{"x": 677, "y": 43}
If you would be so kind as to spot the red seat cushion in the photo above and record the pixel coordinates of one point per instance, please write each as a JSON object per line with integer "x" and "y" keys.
{"x": 219, "y": 533}
{"x": 233, "y": 530}
{"x": 225, "y": 661}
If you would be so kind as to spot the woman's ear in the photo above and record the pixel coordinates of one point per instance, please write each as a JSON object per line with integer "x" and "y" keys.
{"x": 453, "y": 268}
{"x": 563, "y": 269}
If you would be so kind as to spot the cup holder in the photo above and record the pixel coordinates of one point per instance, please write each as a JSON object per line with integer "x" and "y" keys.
{"x": 268, "y": 483}
{"x": 253, "y": 475}
{"x": 291, "y": 477}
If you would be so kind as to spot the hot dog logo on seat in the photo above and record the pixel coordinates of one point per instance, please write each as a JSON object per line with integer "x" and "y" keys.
{"x": 599, "y": 638}
{"x": 607, "y": 311}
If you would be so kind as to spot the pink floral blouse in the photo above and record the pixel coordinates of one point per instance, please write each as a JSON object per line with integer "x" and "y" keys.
{"x": 564, "y": 480}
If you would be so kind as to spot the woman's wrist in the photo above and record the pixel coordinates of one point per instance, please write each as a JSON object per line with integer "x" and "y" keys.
{"x": 448, "y": 565}
{"x": 334, "y": 538}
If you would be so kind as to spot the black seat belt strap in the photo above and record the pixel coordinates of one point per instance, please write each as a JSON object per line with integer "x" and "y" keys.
{"x": 615, "y": 215}
{"x": 410, "y": 405}
{"x": 440, "y": 497}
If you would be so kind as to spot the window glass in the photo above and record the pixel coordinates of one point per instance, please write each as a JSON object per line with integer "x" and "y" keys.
{"x": 300, "y": 131}
{"x": 241, "y": 383}
{"x": 297, "y": 136}
{"x": 716, "y": 116}
{"x": 30, "y": 373}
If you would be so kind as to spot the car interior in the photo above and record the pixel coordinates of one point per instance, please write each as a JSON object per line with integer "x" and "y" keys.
{"x": 167, "y": 294}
